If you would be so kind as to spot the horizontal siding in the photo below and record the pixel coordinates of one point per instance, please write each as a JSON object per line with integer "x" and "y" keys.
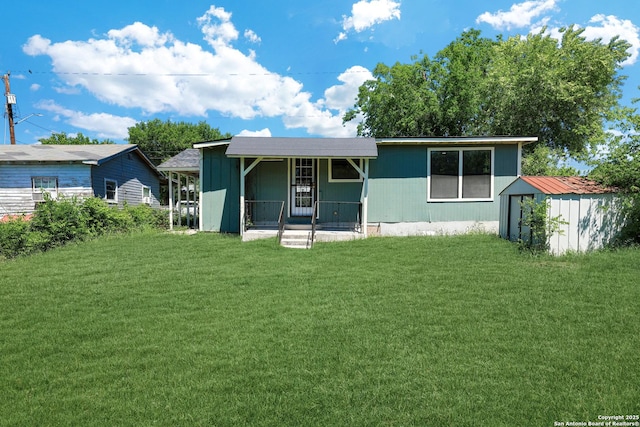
{"x": 398, "y": 188}
{"x": 131, "y": 174}
{"x": 15, "y": 184}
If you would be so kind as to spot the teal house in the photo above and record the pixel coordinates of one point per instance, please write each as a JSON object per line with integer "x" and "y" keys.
{"x": 261, "y": 186}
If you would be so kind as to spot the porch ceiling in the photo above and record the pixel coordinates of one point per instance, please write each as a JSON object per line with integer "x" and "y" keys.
{"x": 268, "y": 147}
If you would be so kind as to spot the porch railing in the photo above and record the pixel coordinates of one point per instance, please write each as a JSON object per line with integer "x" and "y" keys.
{"x": 281, "y": 223}
{"x": 344, "y": 216}
{"x": 314, "y": 215}
{"x": 263, "y": 213}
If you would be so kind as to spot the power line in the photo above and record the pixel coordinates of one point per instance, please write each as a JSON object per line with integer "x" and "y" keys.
{"x": 106, "y": 74}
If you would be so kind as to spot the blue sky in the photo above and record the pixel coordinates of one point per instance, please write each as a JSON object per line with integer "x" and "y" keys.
{"x": 280, "y": 67}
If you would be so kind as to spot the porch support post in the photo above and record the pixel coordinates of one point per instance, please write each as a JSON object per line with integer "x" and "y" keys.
{"x": 200, "y": 220}
{"x": 179, "y": 199}
{"x": 170, "y": 200}
{"x": 190, "y": 199}
{"x": 242, "y": 176}
{"x": 519, "y": 169}
{"x": 365, "y": 198}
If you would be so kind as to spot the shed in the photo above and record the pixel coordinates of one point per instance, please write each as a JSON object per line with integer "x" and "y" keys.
{"x": 589, "y": 212}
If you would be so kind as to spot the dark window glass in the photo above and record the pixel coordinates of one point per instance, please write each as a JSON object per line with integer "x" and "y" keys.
{"x": 476, "y": 174}
{"x": 342, "y": 169}
{"x": 444, "y": 174}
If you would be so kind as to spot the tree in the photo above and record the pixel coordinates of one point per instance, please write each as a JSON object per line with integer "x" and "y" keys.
{"x": 620, "y": 167}
{"x": 63, "y": 139}
{"x": 543, "y": 160}
{"x": 559, "y": 91}
{"x": 160, "y": 140}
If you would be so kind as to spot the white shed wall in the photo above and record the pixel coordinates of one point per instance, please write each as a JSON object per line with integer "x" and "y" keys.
{"x": 592, "y": 221}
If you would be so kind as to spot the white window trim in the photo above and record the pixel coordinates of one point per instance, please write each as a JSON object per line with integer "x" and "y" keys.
{"x": 114, "y": 200}
{"x": 460, "y": 150}
{"x": 146, "y": 199}
{"x": 36, "y": 192}
{"x": 358, "y": 162}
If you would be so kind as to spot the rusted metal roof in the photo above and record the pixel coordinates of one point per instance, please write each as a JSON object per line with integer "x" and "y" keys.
{"x": 566, "y": 185}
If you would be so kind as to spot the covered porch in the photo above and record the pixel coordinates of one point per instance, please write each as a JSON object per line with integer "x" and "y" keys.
{"x": 303, "y": 190}
{"x": 183, "y": 172}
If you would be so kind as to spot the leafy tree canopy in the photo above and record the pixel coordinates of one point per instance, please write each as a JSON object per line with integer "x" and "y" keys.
{"x": 559, "y": 91}
{"x": 64, "y": 139}
{"x": 160, "y": 140}
{"x": 619, "y": 166}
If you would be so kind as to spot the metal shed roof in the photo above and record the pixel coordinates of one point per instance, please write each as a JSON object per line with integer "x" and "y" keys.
{"x": 241, "y": 146}
{"x": 566, "y": 185}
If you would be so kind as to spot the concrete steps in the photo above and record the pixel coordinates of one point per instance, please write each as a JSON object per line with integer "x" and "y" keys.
{"x": 296, "y": 238}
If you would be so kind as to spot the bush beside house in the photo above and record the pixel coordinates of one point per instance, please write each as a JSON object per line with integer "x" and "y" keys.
{"x": 56, "y": 222}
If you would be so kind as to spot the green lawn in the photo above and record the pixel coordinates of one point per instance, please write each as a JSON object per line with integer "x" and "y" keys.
{"x": 162, "y": 329}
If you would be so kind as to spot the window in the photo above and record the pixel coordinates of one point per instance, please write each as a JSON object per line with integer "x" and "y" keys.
{"x": 460, "y": 174}
{"x": 111, "y": 190}
{"x": 42, "y": 184}
{"x": 146, "y": 194}
{"x": 340, "y": 170}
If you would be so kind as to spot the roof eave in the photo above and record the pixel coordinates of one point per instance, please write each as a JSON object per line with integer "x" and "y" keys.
{"x": 297, "y": 156}
{"x": 210, "y": 144}
{"x": 486, "y": 140}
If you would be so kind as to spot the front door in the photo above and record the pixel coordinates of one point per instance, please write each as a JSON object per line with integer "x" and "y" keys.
{"x": 303, "y": 186}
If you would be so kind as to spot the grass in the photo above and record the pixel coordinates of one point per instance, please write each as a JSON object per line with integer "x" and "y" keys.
{"x": 161, "y": 329}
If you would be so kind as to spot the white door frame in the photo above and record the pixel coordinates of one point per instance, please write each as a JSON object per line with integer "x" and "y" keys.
{"x": 303, "y": 181}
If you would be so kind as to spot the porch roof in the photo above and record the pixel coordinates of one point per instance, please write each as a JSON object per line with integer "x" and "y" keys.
{"x": 187, "y": 161}
{"x": 341, "y": 148}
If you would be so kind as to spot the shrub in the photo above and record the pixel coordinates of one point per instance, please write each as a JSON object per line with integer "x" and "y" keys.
{"x": 56, "y": 222}
{"x": 144, "y": 216}
{"x": 13, "y": 237}
{"x": 542, "y": 226}
{"x": 63, "y": 220}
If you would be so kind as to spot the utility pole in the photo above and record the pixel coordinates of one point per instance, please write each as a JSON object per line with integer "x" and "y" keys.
{"x": 11, "y": 99}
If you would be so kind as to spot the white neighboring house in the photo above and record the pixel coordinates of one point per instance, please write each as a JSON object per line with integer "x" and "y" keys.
{"x": 589, "y": 211}
{"x": 117, "y": 173}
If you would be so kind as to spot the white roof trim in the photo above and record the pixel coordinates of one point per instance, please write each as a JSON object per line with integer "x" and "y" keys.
{"x": 212, "y": 144}
{"x": 458, "y": 140}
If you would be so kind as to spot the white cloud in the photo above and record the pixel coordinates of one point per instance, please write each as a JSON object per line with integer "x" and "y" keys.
{"x": 343, "y": 97}
{"x": 519, "y": 16}
{"x": 605, "y": 27}
{"x": 319, "y": 117}
{"x": 217, "y": 26}
{"x": 252, "y": 36}
{"x": 140, "y": 34}
{"x": 610, "y": 26}
{"x": 34, "y": 87}
{"x": 105, "y": 125}
{"x": 140, "y": 67}
{"x": 263, "y": 132}
{"x": 367, "y": 13}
